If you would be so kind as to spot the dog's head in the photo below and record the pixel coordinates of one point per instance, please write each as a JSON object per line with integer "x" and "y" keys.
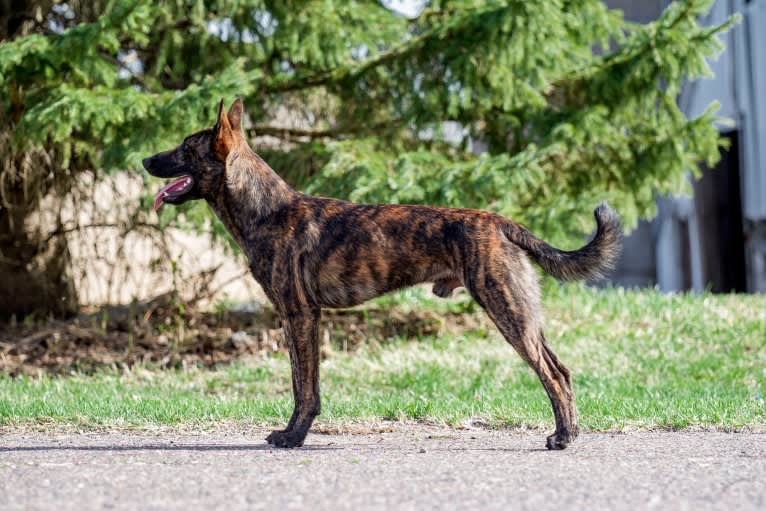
{"x": 199, "y": 162}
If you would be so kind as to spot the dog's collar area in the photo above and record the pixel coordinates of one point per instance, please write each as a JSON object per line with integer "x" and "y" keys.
{"x": 173, "y": 189}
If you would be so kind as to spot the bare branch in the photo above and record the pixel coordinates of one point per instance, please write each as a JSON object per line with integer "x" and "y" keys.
{"x": 127, "y": 226}
{"x": 288, "y": 133}
{"x": 336, "y": 132}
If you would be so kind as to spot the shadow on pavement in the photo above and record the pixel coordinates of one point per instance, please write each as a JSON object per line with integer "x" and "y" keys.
{"x": 162, "y": 447}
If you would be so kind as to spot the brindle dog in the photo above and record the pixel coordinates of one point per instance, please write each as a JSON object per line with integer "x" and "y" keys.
{"x": 313, "y": 252}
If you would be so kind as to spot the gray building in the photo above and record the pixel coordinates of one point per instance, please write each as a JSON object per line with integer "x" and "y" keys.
{"x": 717, "y": 239}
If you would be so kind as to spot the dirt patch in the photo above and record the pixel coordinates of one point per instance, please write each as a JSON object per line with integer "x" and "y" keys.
{"x": 168, "y": 335}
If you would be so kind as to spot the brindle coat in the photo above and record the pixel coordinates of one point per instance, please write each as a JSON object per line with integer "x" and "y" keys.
{"x": 313, "y": 252}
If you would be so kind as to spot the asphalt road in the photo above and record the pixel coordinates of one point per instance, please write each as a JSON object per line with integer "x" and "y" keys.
{"x": 411, "y": 467}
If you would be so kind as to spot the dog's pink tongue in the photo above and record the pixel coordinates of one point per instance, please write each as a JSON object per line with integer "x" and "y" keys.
{"x": 176, "y": 185}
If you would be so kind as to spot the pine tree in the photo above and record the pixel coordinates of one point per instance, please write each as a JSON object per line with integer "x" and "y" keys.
{"x": 570, "y": 104}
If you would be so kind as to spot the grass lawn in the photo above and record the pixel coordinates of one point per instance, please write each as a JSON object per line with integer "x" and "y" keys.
{"x": 639, "y": 359}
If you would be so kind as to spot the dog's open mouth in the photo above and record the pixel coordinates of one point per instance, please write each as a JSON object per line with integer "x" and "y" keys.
{"x": 173, "y": 190}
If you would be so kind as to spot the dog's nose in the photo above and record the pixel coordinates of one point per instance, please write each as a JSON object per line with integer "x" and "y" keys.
{"x": 147, "y": 162}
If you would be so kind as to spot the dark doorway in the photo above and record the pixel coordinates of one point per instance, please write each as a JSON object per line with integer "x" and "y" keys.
{"x": 718, "y": 200}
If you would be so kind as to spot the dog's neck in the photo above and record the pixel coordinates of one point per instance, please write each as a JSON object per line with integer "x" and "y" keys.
{"x": 251, "y": 192}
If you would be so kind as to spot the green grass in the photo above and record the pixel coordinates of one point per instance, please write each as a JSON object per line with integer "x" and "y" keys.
{"x": 639, "y": 359}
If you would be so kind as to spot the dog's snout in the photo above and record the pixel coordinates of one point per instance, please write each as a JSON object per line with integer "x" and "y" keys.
{"x": 147, "y": 162}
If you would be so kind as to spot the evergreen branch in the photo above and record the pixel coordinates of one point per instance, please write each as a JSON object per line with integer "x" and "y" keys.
{"x": 356, "y": 69}
{"x": 352, "y": 70}
{"x": 136, "y": 79}
{"x": 656, "y": 38}
{"x": 621, "y": 56}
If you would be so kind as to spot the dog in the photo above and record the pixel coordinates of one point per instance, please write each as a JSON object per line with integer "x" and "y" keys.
{"x": 311, "y": 252}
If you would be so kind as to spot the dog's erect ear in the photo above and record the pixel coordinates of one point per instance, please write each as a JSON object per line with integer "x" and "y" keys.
{"x": 235, "y": 115}
{"x": 224, "y": 137}
{"x": 222, "y": 122}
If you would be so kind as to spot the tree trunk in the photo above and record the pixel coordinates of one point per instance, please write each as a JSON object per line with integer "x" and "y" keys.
{"x": 35, "y": 275}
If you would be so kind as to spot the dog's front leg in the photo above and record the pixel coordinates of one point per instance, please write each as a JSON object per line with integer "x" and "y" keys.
{"x": 301, "y": 327}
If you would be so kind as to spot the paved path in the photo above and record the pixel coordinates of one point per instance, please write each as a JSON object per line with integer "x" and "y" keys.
{"x": 413, "y": 467}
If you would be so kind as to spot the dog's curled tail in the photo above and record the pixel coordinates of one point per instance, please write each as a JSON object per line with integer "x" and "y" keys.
{"x": 592, "y": 262}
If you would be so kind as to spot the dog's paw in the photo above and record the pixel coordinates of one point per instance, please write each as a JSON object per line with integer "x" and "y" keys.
{"x": 286, "y": 439}
{"x": 558, "y": 441}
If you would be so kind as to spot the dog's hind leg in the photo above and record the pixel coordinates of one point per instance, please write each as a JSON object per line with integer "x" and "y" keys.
{"x": 558, "y": 382}
{"x": 508, "y": 290}
{"x": 301, "y": 328}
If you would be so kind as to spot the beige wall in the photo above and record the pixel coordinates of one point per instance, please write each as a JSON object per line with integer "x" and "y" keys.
{"x": 113, "y": 267}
